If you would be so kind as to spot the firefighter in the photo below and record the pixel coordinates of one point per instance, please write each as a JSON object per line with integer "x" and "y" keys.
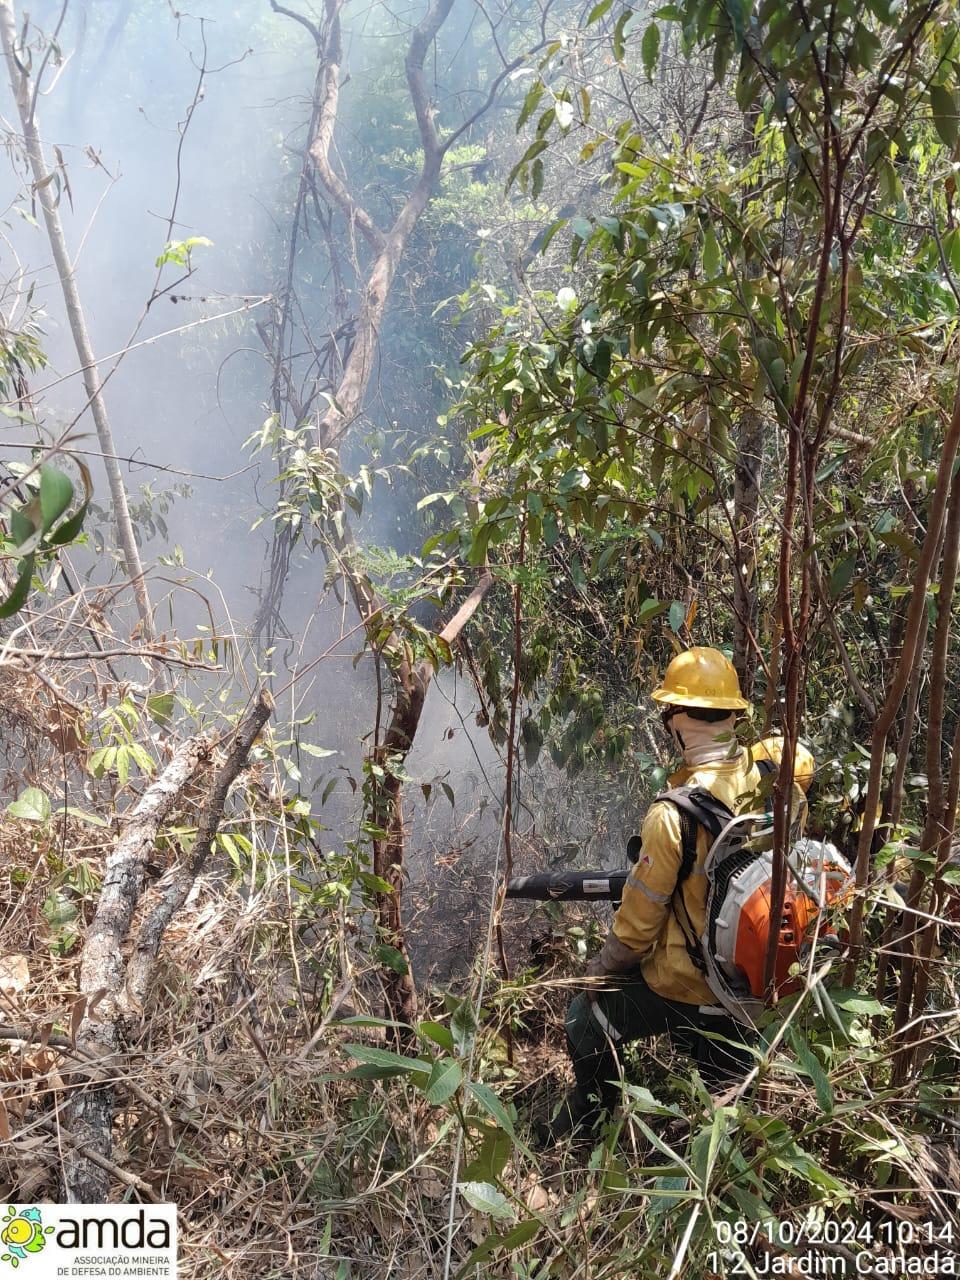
{"x": 647, "y": 978}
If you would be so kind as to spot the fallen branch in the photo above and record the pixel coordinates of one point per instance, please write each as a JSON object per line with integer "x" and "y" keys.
{"x": 102, "y": 1162}
{"x": 171, "y": 890}
{"x": 101, "y": 966}
{"x": 98, "y": 1071}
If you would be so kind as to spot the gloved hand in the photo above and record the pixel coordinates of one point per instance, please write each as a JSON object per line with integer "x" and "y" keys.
{"x": 613, "y": 962}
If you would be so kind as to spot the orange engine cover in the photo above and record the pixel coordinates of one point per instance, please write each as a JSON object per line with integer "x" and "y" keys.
{"x": 799, "y": 914}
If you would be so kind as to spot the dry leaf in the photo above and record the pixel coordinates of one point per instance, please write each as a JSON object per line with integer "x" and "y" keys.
{"x": 14, "y": 974}
{"x": 536, "y": 1197}
{"x": 65, "y": 728}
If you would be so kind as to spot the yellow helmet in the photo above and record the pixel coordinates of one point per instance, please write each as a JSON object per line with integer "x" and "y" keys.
{"x": 701, "y": 678}
{"x": 803, "y": 763}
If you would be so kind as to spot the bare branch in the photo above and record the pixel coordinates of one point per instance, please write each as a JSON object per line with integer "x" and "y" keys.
{"x": 452, "y": 630}
{"x": 331, "y": 52}
{"x": 86, "y": 1152}
{"x": 84, "y": 655}
{"x": 424, "y": 35}
{"x": 21, "y": 89}
{"x": 299, "y": 17}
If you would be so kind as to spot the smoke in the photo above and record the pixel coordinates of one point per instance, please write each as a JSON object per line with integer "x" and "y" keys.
{"x": 159, "y": 116}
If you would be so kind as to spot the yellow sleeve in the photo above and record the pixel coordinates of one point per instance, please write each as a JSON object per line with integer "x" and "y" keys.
{"x": 642, "y": 914}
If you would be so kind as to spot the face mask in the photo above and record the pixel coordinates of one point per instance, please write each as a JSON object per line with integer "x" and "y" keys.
{"x": 700, "y": 741}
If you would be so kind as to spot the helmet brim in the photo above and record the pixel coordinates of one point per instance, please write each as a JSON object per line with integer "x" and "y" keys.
{"x": 699, "y": 700}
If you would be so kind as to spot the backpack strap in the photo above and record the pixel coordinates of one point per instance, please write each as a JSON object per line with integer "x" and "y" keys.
{"x": 698, "y": 808}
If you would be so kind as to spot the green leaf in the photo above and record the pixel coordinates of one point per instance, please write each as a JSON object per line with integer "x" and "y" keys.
{"x": 82, "y": 816}
{"x": 25, "y": 524}
{"x": 813, "y": 1068}
{"x": 445, "y": 1079}
{"x": 31, "y": 805}
{"x": 519, "y": 1235}
{"x": 677, "y": 615}
{"x": 485, "y": 1198}
{"x": 319, "y": 753}
{"x": 618, "y": 34}
{"x": 438, "y": 1033}
{"x": 68, "y": 530}
{"x": 943, "y": 104}
{"x": 737, "y": 11}
{"x": 652, "y": 608}
{"x": 160, "y": 707}
{"x": 650, "y": 49}
{"x": 950, "y": 244}
{"x": 598, "y": 11}
{"x": 374, "y": 1057}
{"x": 56, "y": 494}
{"x": 20, "y": 590}
{"x": 530, "y": 102}
{"x": 102, "y": 760}
{"x": 367, "y": 1071}
{"x": 842, "y": 575}
{"x": 491, "y": 1160}
{"x": 711, "y": 254}
{"x": 853, "y": 1002}
{"x": 492, "y": 1105}
{"x": 391, "y": 957}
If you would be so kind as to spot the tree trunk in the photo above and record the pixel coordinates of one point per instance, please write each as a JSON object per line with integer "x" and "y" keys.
{"x": 390, "y": 756}
{"x": 746, "y": 505}
{"x": 941, "y": 809}
{"x": 400, "y": 991}
{"x": 910, "y": 654}
{"x": 24, "y": 93}
{"x": 409, "y": 683}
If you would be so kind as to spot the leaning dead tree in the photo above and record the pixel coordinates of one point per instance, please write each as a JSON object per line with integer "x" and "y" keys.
{"x": 124, "y": 939}
{"x": 25, "y": 89}
{"x": 383, "y": 249}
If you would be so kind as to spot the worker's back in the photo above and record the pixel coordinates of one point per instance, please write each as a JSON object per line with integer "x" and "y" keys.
{"x": 668, "y": 967}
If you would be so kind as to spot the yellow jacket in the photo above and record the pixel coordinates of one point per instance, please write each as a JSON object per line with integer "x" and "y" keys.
{"x": 645, "y": 921}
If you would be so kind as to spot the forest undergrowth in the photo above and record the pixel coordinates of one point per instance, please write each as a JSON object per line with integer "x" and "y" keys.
{"x": 574, "y": 335}
{"x": 261, "y": 1094}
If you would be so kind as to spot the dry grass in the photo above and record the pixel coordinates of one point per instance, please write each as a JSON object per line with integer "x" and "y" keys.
{"x": 233, "y": 1099}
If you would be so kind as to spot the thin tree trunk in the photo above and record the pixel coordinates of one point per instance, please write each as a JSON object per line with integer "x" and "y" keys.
{"x": 412, "y": 683}
{"x": 409, "y": 681}
{"x": 387, "y": 248}
{"x": 893, "y": 810}
{"x": 746, "y": 505}
{"x": 941, "y": 810}
{"x": 400, "y": 992}
{"x": 23, "y": 91}
{"x": 910, "y": 654}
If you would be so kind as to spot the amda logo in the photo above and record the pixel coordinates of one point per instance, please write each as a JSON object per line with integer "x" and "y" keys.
{"x": 22, "y": 1234}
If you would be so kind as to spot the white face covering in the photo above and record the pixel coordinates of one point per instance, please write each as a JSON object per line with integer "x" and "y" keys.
{"x": 702, "y": 742}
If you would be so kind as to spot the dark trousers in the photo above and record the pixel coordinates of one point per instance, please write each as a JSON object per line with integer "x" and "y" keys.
{"x": 630, "y": 1011}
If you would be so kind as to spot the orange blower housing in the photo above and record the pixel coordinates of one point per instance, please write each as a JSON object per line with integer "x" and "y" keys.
{"x": 739, "y": 921}
{"x": 797, "y": 922}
